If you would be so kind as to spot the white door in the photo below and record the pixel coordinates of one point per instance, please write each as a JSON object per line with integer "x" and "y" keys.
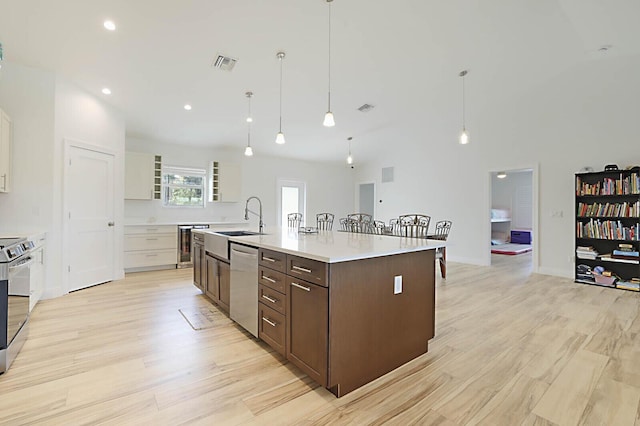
{"x": 90, "y": 211}
{"x": 292, "y": 199}
{"x": 367, "y": 201}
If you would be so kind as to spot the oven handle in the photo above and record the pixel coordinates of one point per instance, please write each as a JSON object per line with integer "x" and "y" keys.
{"x": 22, "y": 263}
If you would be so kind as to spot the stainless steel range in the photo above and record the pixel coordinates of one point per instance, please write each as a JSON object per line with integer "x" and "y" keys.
{"x": 15, "y": 264}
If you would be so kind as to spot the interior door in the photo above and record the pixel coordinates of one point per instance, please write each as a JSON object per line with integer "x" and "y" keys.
{"x": 367, "y": 202}
{"x": 90, "y": 202}
{"x": 292, "y": 199}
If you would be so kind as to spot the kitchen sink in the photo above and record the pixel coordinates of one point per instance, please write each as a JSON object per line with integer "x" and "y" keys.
{"x": 237, "y": 233}
{"x": 217, "y": 242}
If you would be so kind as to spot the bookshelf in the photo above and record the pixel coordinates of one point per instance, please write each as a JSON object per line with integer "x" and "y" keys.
{"x": 607, "y": 229}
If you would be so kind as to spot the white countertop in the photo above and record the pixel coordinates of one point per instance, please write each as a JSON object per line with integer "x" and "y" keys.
{"x": 334, "y": 246}
{"x": 176, "y": 223}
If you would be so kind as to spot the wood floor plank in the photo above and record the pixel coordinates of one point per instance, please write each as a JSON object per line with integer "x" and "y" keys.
{"x": 511, "y": 348}
{"x": 566, "y": 399}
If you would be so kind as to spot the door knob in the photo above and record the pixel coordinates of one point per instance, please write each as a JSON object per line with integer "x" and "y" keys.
{"x": 111, "y": 224}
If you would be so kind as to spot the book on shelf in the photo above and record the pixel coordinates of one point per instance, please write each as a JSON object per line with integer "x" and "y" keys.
{"x": 622, "y": 185}
{"x": 608, "y": 257}
{"x": 626, "y": 253}
{"x": 586, "y": 252}
{"x": 628, "y": 285}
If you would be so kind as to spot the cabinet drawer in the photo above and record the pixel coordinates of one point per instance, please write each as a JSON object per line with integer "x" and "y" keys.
{"x": 151, "y": 229}
{"x": 274, "y": 279}
{"x": 272, "y": 298}
{"x": 139, "y": 259}
{"x": 310, "y": 270}
{"x": 273, "y": 259}
{"x": 272, "y": 328}
{"x": 150, "y": 242}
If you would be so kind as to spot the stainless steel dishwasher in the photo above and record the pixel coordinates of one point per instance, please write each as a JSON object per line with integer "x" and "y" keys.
{"x": 243, "y": 303}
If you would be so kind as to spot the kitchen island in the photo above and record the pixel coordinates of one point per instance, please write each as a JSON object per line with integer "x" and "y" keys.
{"x": 345, "y": 308}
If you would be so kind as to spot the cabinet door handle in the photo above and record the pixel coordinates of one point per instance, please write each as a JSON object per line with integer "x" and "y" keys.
{"x": 264, "y": 296}
{"x": 271, "y": 280}
{"x": 4, "y": 182}
{"x": 301, "y": 269}
{"x": 268, "y": 321}
{"x": 268, "y": 259}
{"x": 300, "y": 286}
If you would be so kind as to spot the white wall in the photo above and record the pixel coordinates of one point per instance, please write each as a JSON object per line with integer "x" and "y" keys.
{"x": 329, "y": 187}
{"x": 81, "y": 117}
{"x": 583, "y": 117}
{"x": 45, "y": 110}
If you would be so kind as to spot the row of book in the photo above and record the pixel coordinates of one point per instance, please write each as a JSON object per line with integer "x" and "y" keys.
{"x": 609, "y": 209}
{"x": 633, "y": 284}
{"x": 609, "y": 186}
{"x": 607, "y": 230}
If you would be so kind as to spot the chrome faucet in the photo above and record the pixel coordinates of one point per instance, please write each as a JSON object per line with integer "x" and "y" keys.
{"x": 247, "y": 211}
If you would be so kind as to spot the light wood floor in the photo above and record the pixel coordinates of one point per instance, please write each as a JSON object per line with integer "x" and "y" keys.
{"x": 511, "y": 348}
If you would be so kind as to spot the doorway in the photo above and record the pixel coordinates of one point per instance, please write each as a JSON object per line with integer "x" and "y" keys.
{"x": 89, "y": 216}
{"x": 291, "y": 199}
{"x": 513, "y": 223}
{"x": 366, "y": 198}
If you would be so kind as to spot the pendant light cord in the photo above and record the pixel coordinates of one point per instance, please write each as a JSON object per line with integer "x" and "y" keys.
{"x": 463, "y": 106}
{"x": 281, "y": 94}
{"x": 329, "y": 106}
{"x": 249, "y": 122}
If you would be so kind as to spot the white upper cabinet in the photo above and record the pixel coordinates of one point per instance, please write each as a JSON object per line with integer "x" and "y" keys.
{"x": 226, "y": 182}
{"x": 5, "y": 152}
{"x": 142, "y": 176}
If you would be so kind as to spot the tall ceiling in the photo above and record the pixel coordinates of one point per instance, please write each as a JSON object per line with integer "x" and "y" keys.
{"x": 401, "y": 56}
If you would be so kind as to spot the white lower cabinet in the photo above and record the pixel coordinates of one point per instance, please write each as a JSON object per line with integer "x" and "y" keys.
{"x": 150, "y": 247}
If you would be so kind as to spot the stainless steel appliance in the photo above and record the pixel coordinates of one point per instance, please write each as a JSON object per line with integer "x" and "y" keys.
{"x": 15, "y": 264}
{"x": 184, "y": 241}
{"x": 244, "y": 287}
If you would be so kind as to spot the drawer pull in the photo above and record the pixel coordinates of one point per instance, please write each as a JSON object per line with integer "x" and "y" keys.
{"x": 268, "y": 321}
{"x": 264, "y": 296}
{"x": 268, "y": 259}
{"x": 271, "y": 280}
{"x": 300, "y": 286}
{"x": 152, "y": 239}
{"x": 152, "y": 255}
{"x": 301, "y": 269}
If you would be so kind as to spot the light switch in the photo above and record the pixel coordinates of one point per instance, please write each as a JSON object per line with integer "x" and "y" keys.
{"x": 397, "y": 284}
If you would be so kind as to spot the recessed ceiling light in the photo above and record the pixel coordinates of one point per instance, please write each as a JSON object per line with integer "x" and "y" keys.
{"x": 106, "y": 91}
{"x": 110, "y": 25}
{"x": 187, "y": 107}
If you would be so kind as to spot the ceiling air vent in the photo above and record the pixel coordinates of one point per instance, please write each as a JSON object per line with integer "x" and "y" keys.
{"x": 224, "y": 63}
{"x": 366, "y": 108}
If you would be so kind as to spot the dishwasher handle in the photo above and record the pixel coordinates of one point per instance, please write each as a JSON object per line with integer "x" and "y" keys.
{"x": 244, "y": 253}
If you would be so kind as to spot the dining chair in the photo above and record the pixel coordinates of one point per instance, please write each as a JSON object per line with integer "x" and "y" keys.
{"x": 344, "y": 224}
{"x": 294, "y": 220}
{"x": 378, "y": 227}
{"x": 441, "y": 233}
{"x": 324, "y": 221}
{"x": 359, "y": 222}
{"x": 414, "y": 225}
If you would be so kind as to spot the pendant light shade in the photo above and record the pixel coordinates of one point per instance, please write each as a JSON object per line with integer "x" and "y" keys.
{"x": 464, "y": 136}
{"x": 248, "y": 151}
{"x": 349, "y": 157}
{"x": 328, "y": 117}
{"x": 501, "y": 175}
{"x": 280, "y": 136}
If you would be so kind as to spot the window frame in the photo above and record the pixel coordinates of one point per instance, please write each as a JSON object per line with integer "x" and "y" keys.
{"x": 183, "y": 171}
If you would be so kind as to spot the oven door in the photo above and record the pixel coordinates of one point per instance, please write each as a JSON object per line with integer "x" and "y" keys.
{"x": 18, "y": 292}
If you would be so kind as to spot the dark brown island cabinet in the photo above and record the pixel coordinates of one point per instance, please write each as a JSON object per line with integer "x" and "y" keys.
{"x": 211, "y": 274}
{"x": 347, "y": 323}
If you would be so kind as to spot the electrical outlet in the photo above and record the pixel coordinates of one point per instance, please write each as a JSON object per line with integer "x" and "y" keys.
{"x": 397, "y": 284}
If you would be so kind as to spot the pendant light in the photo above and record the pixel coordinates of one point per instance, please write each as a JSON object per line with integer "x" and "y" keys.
{"x": 328, "y": 117}
{"x": 280, "y": 136}
{"x": 464, "y": 136}
{"x": 501, "y": 175}
{"x": 248, "y": 151}
{"x": 349, "y": 157}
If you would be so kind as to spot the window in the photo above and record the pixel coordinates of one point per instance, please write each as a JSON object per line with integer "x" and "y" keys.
{"x": 291, "y": 199}
{"x": 182, "y": 187}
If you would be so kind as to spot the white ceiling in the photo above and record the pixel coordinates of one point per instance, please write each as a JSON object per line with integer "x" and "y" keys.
{"x": 402, "y": 56}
